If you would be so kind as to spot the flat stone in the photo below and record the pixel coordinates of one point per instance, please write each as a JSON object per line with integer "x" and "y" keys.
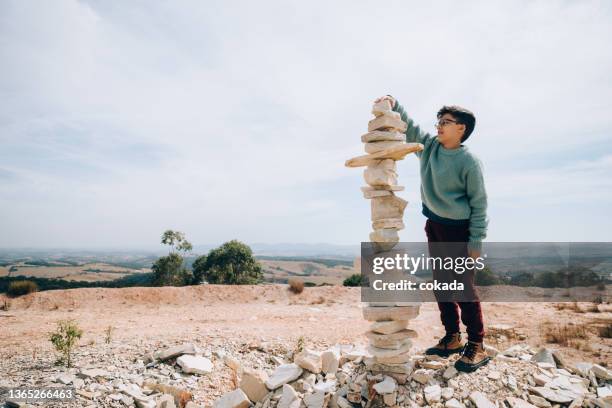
{"x": 399, "y": 359}
{"x": 387, "y": 207}
{"x": 400, "y": 313}
{"x": 601, "y": 372}
{"x": 518, "y": 403}
{"x": 539, "y": 401}
{"x": 253, "y": 383}
{"x": 65, "y": 378}
{"x": 450, "y": 372}
{"x": 389, "y": 327}
{"x": 381, "y": 173}
{"x": 390, "y": 338}
{"x": 386, "y": 386}
{"x": 423, "y": 376}
{"x": 288, "y": 397}
{"x": 397, "y": 344}
{"x": 384, "y": 352}
{"x": 551, "y": 395}
{"x": 233, "y": 399}
{"x": 433, "y": 393}
{"x": 383, "y": 136}
{"x": 330, "y": 361}
{"x": 494, "y": 375}
{"x": 308, "y": 360}
{"x": 195, "y": 364}
{"x": 283, "y": 374}
{"x": 377, "y": 367}
{"x": 388, "y": 121}
{"x": 386, "y": 235}
{"x": 481, "y": 401}
{"x": 327, "y": 386}
{"x": 376, "y": 193}
{"x": 454, "y": 403}
{"x": 395, "y": 223}
{"x": 175, "y": 351}
{"x": 395, "y": 153}
{"x": 93, "y": 373}
{"x": 382, "y": 188}
{"x": 381, "y": 107}
{"x": 373, "y": 147}
{"x": 315, "y": 400}
{"x": 433, "y": 365}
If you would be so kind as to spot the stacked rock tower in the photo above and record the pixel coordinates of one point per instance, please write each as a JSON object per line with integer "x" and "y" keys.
{"x": 385, "y": 143}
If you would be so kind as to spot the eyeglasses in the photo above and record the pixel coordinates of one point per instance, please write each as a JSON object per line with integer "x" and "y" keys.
{"x": 444, "y": 122}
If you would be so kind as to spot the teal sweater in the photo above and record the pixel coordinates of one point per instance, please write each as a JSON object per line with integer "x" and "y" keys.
{"x": 452, "y": 186}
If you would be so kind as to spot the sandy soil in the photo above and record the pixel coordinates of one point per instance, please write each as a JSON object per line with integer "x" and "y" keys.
{"x": 269, "y": 313}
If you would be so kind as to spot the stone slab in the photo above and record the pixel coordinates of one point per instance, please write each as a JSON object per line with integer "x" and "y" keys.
{"x": 395, "y": 153}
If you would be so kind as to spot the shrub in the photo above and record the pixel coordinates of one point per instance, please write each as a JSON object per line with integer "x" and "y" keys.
{"x": 564, "y": 335}
{"x": 21, "y": 287}
{"x": 353, "y": 280}
{"x": 296, "y": 285}
{"x": 64, "y": 339}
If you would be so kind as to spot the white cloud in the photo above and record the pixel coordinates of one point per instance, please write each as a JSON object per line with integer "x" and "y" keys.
{"x": 235, "y": 120}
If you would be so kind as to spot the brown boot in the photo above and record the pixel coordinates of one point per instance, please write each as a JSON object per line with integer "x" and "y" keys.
{"x": 449, "y": 344}
{"x": 473, "y": 357}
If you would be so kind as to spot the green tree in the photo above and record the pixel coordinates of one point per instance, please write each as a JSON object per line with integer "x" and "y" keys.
{"x": 176, "y": 240}
{"x": 231, "y": 263}
{"x": 170, "y": 270}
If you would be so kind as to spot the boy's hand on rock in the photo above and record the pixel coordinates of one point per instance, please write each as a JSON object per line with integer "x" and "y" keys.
{"x": 387, "y": 97}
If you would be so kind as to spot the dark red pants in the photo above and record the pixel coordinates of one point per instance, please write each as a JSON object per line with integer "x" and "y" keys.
{"x": 471, "y": 313}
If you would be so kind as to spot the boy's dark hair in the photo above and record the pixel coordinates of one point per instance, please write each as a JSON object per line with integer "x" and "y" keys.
{"x": 462, "y": 116}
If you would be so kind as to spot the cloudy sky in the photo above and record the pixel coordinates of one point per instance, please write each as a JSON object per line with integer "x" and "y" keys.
{"x": 233, "y": 119}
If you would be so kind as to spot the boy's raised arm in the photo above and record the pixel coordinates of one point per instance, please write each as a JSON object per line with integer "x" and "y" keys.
{"x": 414, "y": 134}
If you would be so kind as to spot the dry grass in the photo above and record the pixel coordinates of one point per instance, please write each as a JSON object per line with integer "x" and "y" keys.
{"x": 564, "y": 334}
{"x": 605, "y": 331}
{"x": 296, "y": 285}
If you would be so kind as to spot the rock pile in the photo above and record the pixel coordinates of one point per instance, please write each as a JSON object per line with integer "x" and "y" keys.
{"x": 390, "y": 339}
{"x": 385, "y": 143}
{"x": 271, "y": 375}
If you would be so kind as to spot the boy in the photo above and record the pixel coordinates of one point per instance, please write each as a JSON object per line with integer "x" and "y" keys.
{"x": 455, "y": 204}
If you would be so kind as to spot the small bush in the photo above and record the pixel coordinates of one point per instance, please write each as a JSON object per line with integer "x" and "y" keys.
{"x": 296, "y": 285}
{"x": 353, "y": 280}
{"x": 64, "y": 339}
{"x": 6, "y": 305}
{"x": 22, "y": 287}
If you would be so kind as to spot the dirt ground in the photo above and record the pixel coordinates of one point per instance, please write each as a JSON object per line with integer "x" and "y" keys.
{"x": 270, "y": 313}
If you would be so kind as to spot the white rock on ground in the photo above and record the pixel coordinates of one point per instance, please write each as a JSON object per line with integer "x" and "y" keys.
{"x": 288, "y": 397}
{"x": 253, "y": 383}
{"x": 480, "y": 400}
{"x": 234, "y": 399}
{"x": 194, "y": 364}
{"x": 433, "y": 393}
{"x": 283, "y": 374}
{"x": 308, "y": 360}
{"x": 330, "y": 360}
{"x": 386, "y": 386}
